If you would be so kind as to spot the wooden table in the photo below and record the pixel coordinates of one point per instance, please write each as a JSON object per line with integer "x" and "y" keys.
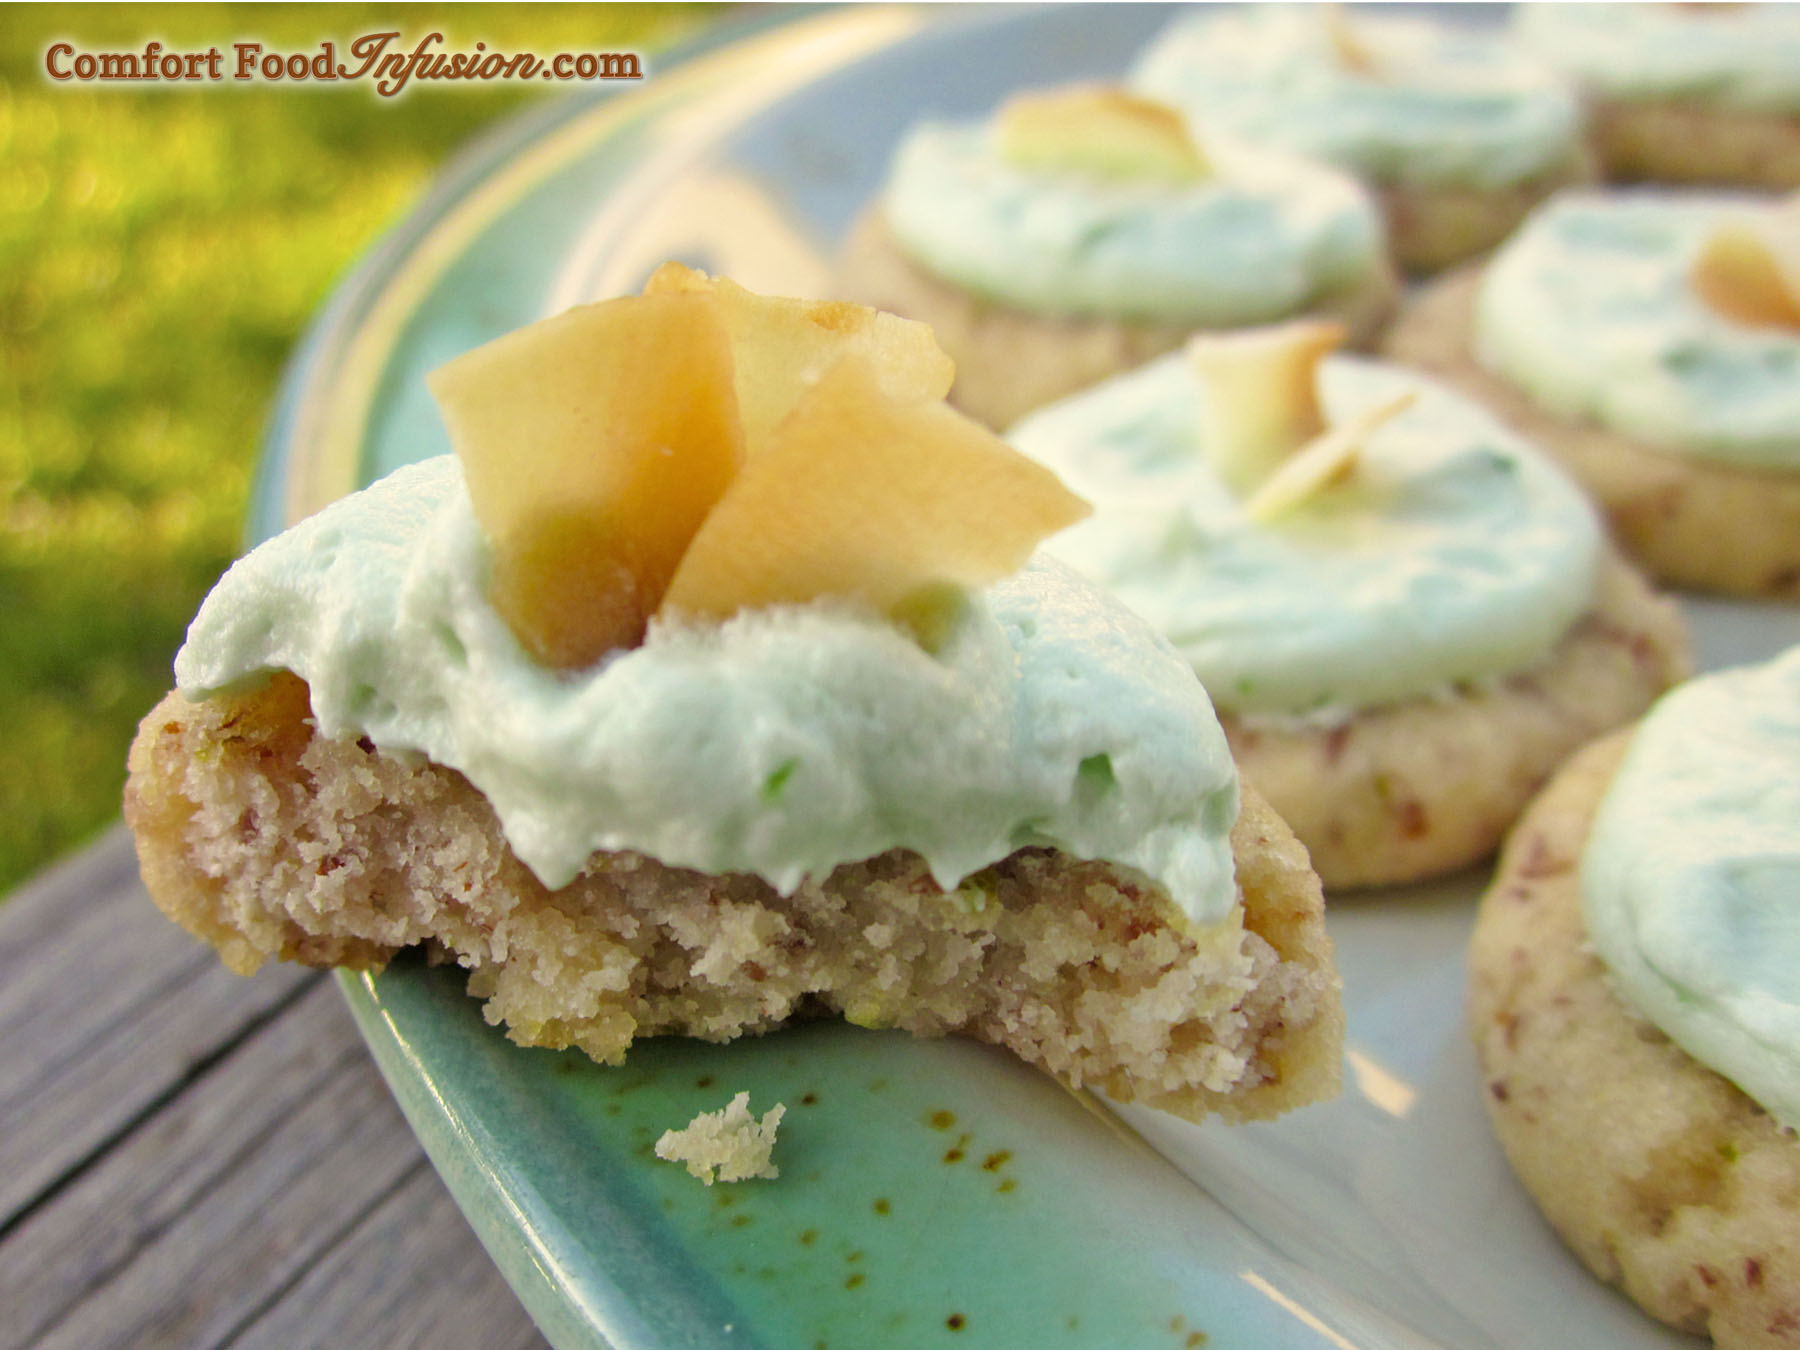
{"x": 190, "y": 1158}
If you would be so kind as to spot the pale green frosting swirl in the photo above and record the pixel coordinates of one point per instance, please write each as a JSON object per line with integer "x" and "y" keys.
{"x": 1451, "y": 105}
{"x": 1690, "y": 880}
{"x": 1456, "y": 553}
{"x": 1263, "y": 238}
{"x": 1746, "y": 57}
{"x": 1590, "y": 311}
{"x": 781, "y": 743}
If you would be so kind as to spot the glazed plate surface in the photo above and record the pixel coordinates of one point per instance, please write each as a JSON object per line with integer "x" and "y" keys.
{"x": 931, "y": 1193}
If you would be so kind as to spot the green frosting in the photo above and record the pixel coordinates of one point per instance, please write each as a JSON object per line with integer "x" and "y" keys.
{"x": 1456, "y": 552}
{"x": 1449, "y": 105}
{"x": 1263, "y": 237}
{"x": 1741, "y": 56}
{"x": 782, "y": 743}
{"x": 1589, "y": 309}
{"x": 1691, "y": 876}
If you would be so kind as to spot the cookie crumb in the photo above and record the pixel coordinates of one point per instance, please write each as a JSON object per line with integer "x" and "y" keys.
{"x": 731, "y": 1142}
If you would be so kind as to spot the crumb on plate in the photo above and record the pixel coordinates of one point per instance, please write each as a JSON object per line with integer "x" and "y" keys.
{"x": 731, "y": 1141}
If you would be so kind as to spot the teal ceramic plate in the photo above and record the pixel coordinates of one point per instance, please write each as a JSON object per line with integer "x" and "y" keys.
{"x": 931, "y": 1193}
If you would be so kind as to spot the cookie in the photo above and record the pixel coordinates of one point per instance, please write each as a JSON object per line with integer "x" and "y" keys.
{"x": 1406, "y": 618}
{"x": 1432, "y": 226}
{"x": 1008, "y": 361}
{"x": 1080, "y": 231}
{"x": 1422, "y": 787}
{"x": 1690, "y": 522}
{"x": 712, "y": 682}
{"x": 1457, "y": 130}
{"x": 272, "y": 842}
{"x": 1670, "y": 141}
{"x": 1663, "y": 1177}
{"x": 1701, "y": 94}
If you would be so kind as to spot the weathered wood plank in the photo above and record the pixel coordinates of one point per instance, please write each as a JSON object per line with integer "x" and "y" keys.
{"x": 181, "y": 1233}
{"x": 85, "y": 941}
{"x": 47, "y": 903}
{"x": 106, "y": 1010}
{"x": 410, "y": 1274}
{"x": 189, "y": 1158}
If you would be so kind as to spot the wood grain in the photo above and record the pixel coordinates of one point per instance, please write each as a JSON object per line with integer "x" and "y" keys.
{"x": 106, "y": 1009}
{"x": 188, "y": 1158}
{"x": 408, "y": 1275}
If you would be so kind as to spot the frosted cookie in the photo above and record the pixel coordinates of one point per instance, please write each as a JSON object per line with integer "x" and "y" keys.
{"x": 1405, "y": 615}
{"x": 709, "y": 685}
{"x": 1698, "y": 93}
{"x": 1082, "y": 232}
{"x": 1651, "y": 341}
{"x": 1635, "y": 998}
{"x": 1459, "y": 131}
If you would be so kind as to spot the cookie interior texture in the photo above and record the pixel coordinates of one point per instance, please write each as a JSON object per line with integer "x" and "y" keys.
{"x": 1009, "y": 362}
{"x": 1662, "y": 1175}
{"x": 1691, "y": 522}
{"x": 1420, "y": 788}
{"x": 270, "y": 842}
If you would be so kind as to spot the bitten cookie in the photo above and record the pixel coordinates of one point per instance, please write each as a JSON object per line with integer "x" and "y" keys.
{"x": 1663, "y": 1177}
{"x": 271, "y": 842}
{"x": 713, "y": 681}
{"x": 1083, "y": 231}
{"x": 1713, "y": 504}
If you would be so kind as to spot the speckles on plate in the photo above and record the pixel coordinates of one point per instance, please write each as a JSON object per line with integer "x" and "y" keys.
{"x": 1193, "y": 1339}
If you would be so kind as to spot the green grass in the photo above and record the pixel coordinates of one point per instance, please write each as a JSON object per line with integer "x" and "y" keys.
{"x": 160, "y": 254}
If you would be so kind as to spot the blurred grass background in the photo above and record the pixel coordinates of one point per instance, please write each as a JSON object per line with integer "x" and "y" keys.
{"x": 160, "y": 252}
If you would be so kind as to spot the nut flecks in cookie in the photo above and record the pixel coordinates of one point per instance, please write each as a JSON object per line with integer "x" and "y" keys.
{"x": 1100, "y": 130}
